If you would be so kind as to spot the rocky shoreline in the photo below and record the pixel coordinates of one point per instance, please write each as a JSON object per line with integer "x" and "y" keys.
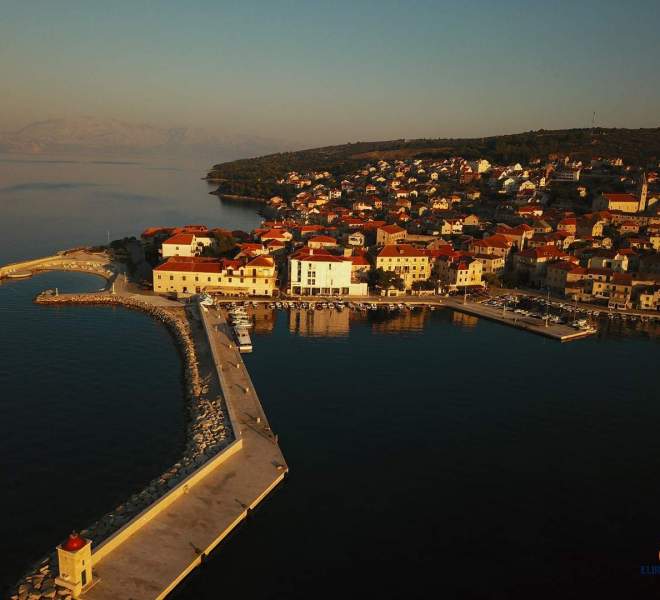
{"x": 208, "y": 432}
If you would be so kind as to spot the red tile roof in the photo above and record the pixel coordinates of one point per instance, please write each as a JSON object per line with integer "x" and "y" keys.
{"x": 261, "y": 261}
{"x": 323, "y": 239}
{"x": 392, "y": 229}
{"x": 542, "y": 252}
{"x": 621, "y": 198}
{"x": 315, "y": 255}
{"x": 406, "y": 250}
{"x": 181, "y": 239}
{"x": 193, "y": 264}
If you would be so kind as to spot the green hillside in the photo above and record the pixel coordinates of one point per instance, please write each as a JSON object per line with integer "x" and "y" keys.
{"x": 257, "y": 176}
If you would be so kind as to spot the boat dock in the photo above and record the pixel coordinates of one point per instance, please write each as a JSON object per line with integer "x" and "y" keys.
{"x": 556, "y": 331}
{"x": 147, "y": 558}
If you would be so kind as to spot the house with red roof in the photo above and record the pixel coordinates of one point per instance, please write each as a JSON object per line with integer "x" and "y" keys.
{"x": 494, "y": 245}
{"x": 187, "y": 275}
{"x": 562, "y": 274}
{"x": 281, "y": 235}
{"x": 516, "y": 235}
{"x": 626, "y": 203}
{"x": 532, "y": 263}
{"x": 609, "y": 259}
{"x": 409, "y": 262}
{"x": 459, "y": 270}
{"x": 389, "y": 234}
{"x": 181, "y": 244}
{"x": 322, "y": 241}
{"x": 567, "y": 224}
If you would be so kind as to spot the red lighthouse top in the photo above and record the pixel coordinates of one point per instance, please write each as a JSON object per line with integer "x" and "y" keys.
{"x": 75, "y": 542}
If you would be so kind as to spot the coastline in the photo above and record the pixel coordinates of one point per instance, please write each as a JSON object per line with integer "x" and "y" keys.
{"x": 208, "y": 432}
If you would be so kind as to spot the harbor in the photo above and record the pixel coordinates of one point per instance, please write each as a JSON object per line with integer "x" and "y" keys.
{"x": 555, "y": 328}
{"x": 198, "y": 506}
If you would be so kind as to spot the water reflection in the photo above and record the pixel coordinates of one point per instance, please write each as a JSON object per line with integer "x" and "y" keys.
{"x": 463, "y": 320}
{"x": 398, "y": 321}
{"x": 337, "y": 323}
{"x": 326, "y": 322}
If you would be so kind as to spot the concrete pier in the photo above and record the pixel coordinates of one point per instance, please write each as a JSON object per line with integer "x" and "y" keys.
{"x": 95, "y": 263}
{"x": 147, "y": 563}
{"x": 555, "y": 331}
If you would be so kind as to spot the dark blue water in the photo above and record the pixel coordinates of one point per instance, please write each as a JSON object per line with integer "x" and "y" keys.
{"x": 91, "y": 408}
{"x": 452, "y": 458}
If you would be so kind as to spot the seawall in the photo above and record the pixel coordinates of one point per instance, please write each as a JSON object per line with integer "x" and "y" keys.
{"x": 208, "y": 433}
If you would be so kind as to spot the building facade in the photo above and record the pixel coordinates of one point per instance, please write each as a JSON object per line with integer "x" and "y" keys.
{"x": 315, "y": 272}
{"x": 409, "y": 262}
{"x": 194, "y": 275}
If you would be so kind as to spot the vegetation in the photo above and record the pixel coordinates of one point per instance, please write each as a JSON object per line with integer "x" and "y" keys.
{"x": 257, "y": 177}
{"x": 379, "y": 278}
{"x": 426, "y": 284}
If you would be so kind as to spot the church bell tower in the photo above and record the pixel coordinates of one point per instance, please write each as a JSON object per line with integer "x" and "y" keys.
{"x": 643, "y": 192}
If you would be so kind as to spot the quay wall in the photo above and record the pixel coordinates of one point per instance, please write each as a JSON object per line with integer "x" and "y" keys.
{"x": 552, "y": 332}
{"x": 201, "y": 455}
{"x": 148, "y": 514}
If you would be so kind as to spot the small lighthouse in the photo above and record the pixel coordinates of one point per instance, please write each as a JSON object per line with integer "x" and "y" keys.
{"x": 75, "y": 564}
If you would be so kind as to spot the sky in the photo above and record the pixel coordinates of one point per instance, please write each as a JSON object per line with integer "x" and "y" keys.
{"x": 330, "y": 72}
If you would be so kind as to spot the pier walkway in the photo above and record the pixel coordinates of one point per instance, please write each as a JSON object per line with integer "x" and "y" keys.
{"x": 150, "y": 562}
{"x": 556, "y": 331}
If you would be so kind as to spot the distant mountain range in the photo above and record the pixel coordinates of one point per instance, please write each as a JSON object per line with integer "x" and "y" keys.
{"x": 111, "y": 136}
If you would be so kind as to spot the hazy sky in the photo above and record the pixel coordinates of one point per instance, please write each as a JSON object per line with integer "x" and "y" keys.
{"x": 323, "y": 72}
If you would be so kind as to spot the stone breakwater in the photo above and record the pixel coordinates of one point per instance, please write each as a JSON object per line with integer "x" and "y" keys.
{"x": 208, "y": 432}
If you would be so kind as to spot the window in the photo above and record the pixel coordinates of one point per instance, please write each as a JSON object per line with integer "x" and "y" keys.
{"x": 171, "y": 277}
{"x": 158, "y": 276}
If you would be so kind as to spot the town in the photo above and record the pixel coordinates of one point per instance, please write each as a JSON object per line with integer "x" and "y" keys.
{"x": 581, "y": 232}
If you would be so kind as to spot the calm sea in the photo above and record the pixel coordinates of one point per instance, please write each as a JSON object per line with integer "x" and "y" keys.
{"x": 431, "y": 454}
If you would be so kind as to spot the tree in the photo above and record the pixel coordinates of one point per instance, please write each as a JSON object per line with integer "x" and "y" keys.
{"x": 425, "y": 284}
{"x": 379, "y": 278}
{"x": 224, "y": 243}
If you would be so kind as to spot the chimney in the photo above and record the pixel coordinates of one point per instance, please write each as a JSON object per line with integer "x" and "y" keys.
{"x": 311, "y": 251}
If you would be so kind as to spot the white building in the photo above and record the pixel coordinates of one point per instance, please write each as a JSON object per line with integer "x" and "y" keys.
{"x": 316, "y": 272}
{"x": 185, "y": 244}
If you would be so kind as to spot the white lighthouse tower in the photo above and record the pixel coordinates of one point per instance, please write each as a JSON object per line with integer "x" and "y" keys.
{"x": 75, "y": 564}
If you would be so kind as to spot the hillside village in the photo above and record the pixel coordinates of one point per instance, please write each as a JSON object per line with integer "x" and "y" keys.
{"x": 585, "y": 232}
